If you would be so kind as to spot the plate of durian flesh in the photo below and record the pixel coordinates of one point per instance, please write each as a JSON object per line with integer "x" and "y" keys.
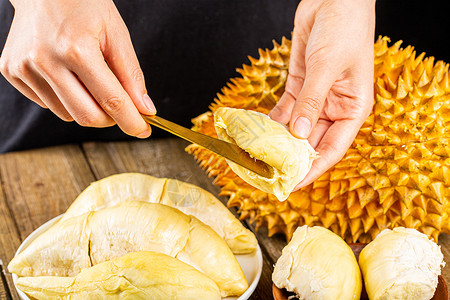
{"x": 136, "y": 236}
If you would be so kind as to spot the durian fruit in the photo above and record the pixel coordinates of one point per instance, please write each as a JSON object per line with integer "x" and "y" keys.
{"x": 401, "y": 264}
{"x": 129, "y": 227}
{"x": 289, "y": 157}
{"x": 137, "y": 275}
{"x": 396, "y": 172}
{"x": 188, "y": 198}
{"x": 318, "y": 264}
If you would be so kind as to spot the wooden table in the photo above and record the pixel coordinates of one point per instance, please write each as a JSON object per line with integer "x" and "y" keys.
{"x": 38, "y": 185}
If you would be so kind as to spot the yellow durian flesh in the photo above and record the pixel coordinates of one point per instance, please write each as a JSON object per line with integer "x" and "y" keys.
{"x": 137, "y": 275}
{"x": 129, "y": 227}
{"x": 188, "y": 198}
{"x": 401, "y": 264}
{"x": 318, "y": 264}
{"x": 55, "y": 252}
{"x": 264, "y": 139}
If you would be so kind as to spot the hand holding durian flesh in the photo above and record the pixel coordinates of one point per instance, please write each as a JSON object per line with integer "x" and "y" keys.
{"x": 318, "y": 264}
{"x": 92, "y": 238}
{"x": 269, "y": 141}
{"x": 188, "y": 198}
{"x": 401, "y": 264}
{"x": 137, "y": 275}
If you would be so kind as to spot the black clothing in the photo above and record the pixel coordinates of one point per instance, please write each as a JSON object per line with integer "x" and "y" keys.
{"x": 189, "y": 49}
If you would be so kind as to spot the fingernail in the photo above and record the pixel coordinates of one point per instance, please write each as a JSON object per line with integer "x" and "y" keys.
{"x": 149, "y": 104}
{"x": 302, "y": 127}
{"x": 145, "y": 134}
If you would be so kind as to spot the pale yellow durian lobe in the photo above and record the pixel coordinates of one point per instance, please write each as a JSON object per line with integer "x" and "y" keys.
{"x": 56, "y": 252}
{"x": 401, "y": 263}
{"x": 318, "y": 264}
{"x": 137, "y": 275}
{"x": 264, "y": 139}
{"x": 188, "y": 198}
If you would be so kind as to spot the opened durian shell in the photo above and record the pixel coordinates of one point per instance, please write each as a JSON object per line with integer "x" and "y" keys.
{"x": 137, "y": 275}
{"x": 188, "y": 198}
{"x": 95, "y": 237}
{"x": 396, "y": 173}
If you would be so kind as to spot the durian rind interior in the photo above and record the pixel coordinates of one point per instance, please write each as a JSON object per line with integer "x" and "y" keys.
{"x": 264, "y": 139}
{"x": 129, "y": 227}
{"x": 401, "y": 264}
{"x": 318, "y": 264}
{"x": 188, "y": 198}
{"x": 396, "y": 172}
{"x": 137, "y": 275}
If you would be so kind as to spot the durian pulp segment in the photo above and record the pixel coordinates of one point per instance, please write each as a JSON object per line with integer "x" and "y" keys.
{"x": 129, "y": 227}
{"x": 318, "y": 264}
{"x": 401, "y": 264}
{"x": 264, "y": 139}
{"x": 396, "y": 173}
{"x": 137, "y": 275}
{"x": 187, "y": 198}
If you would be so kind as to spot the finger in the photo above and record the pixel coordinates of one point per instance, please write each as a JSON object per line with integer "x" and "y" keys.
{"x": 332, "y": 148}
{"x": 318, "y": 132}
{"x": 26, "y": 91}
{"x": 45, "y": 93}
{"x": 76, "y": 99}
{"x": 121, "y": 58}
{"x": 104, "y": 86}
{"x": 309, "y": 102}
{"x": 282, "y": 111}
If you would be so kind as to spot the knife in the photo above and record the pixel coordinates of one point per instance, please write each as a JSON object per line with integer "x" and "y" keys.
{"x": 229, "y": 151}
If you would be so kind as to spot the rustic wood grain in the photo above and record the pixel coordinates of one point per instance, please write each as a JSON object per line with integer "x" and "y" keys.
{"x": 4, "y": 291}
{"x": 41, "y": 184}
{"x": 37, "y": 185}
{"x": 444, "y": 242}
{"x": 9, "y": 242}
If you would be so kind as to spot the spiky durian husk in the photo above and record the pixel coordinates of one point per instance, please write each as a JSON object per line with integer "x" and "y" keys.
{"x": 396, "y": 173}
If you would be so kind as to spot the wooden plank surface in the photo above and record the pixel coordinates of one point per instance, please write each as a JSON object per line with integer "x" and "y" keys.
{"x": 9, "y": 242}
{"x": 4, "y": 291}
{"x": 37, "y": 185}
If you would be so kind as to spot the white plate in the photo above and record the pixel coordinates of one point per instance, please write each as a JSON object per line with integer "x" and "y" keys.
{"x": 251, "y": 264}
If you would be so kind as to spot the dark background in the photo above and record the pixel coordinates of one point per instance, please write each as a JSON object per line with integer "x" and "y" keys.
{"x": 422, "y": 24}
{"x": 189, "y": 49}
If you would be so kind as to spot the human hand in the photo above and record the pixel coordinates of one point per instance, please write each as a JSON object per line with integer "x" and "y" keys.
{"x": 76, "y": 58}
{"x": 329, "y": 89}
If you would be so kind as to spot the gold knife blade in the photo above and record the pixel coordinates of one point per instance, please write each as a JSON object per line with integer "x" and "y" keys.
{"x": 222, "y": 148}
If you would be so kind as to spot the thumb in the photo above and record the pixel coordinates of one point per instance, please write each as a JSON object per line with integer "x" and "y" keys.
{"x": 309, "y": 103}
{"x": 121, "y": 58}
